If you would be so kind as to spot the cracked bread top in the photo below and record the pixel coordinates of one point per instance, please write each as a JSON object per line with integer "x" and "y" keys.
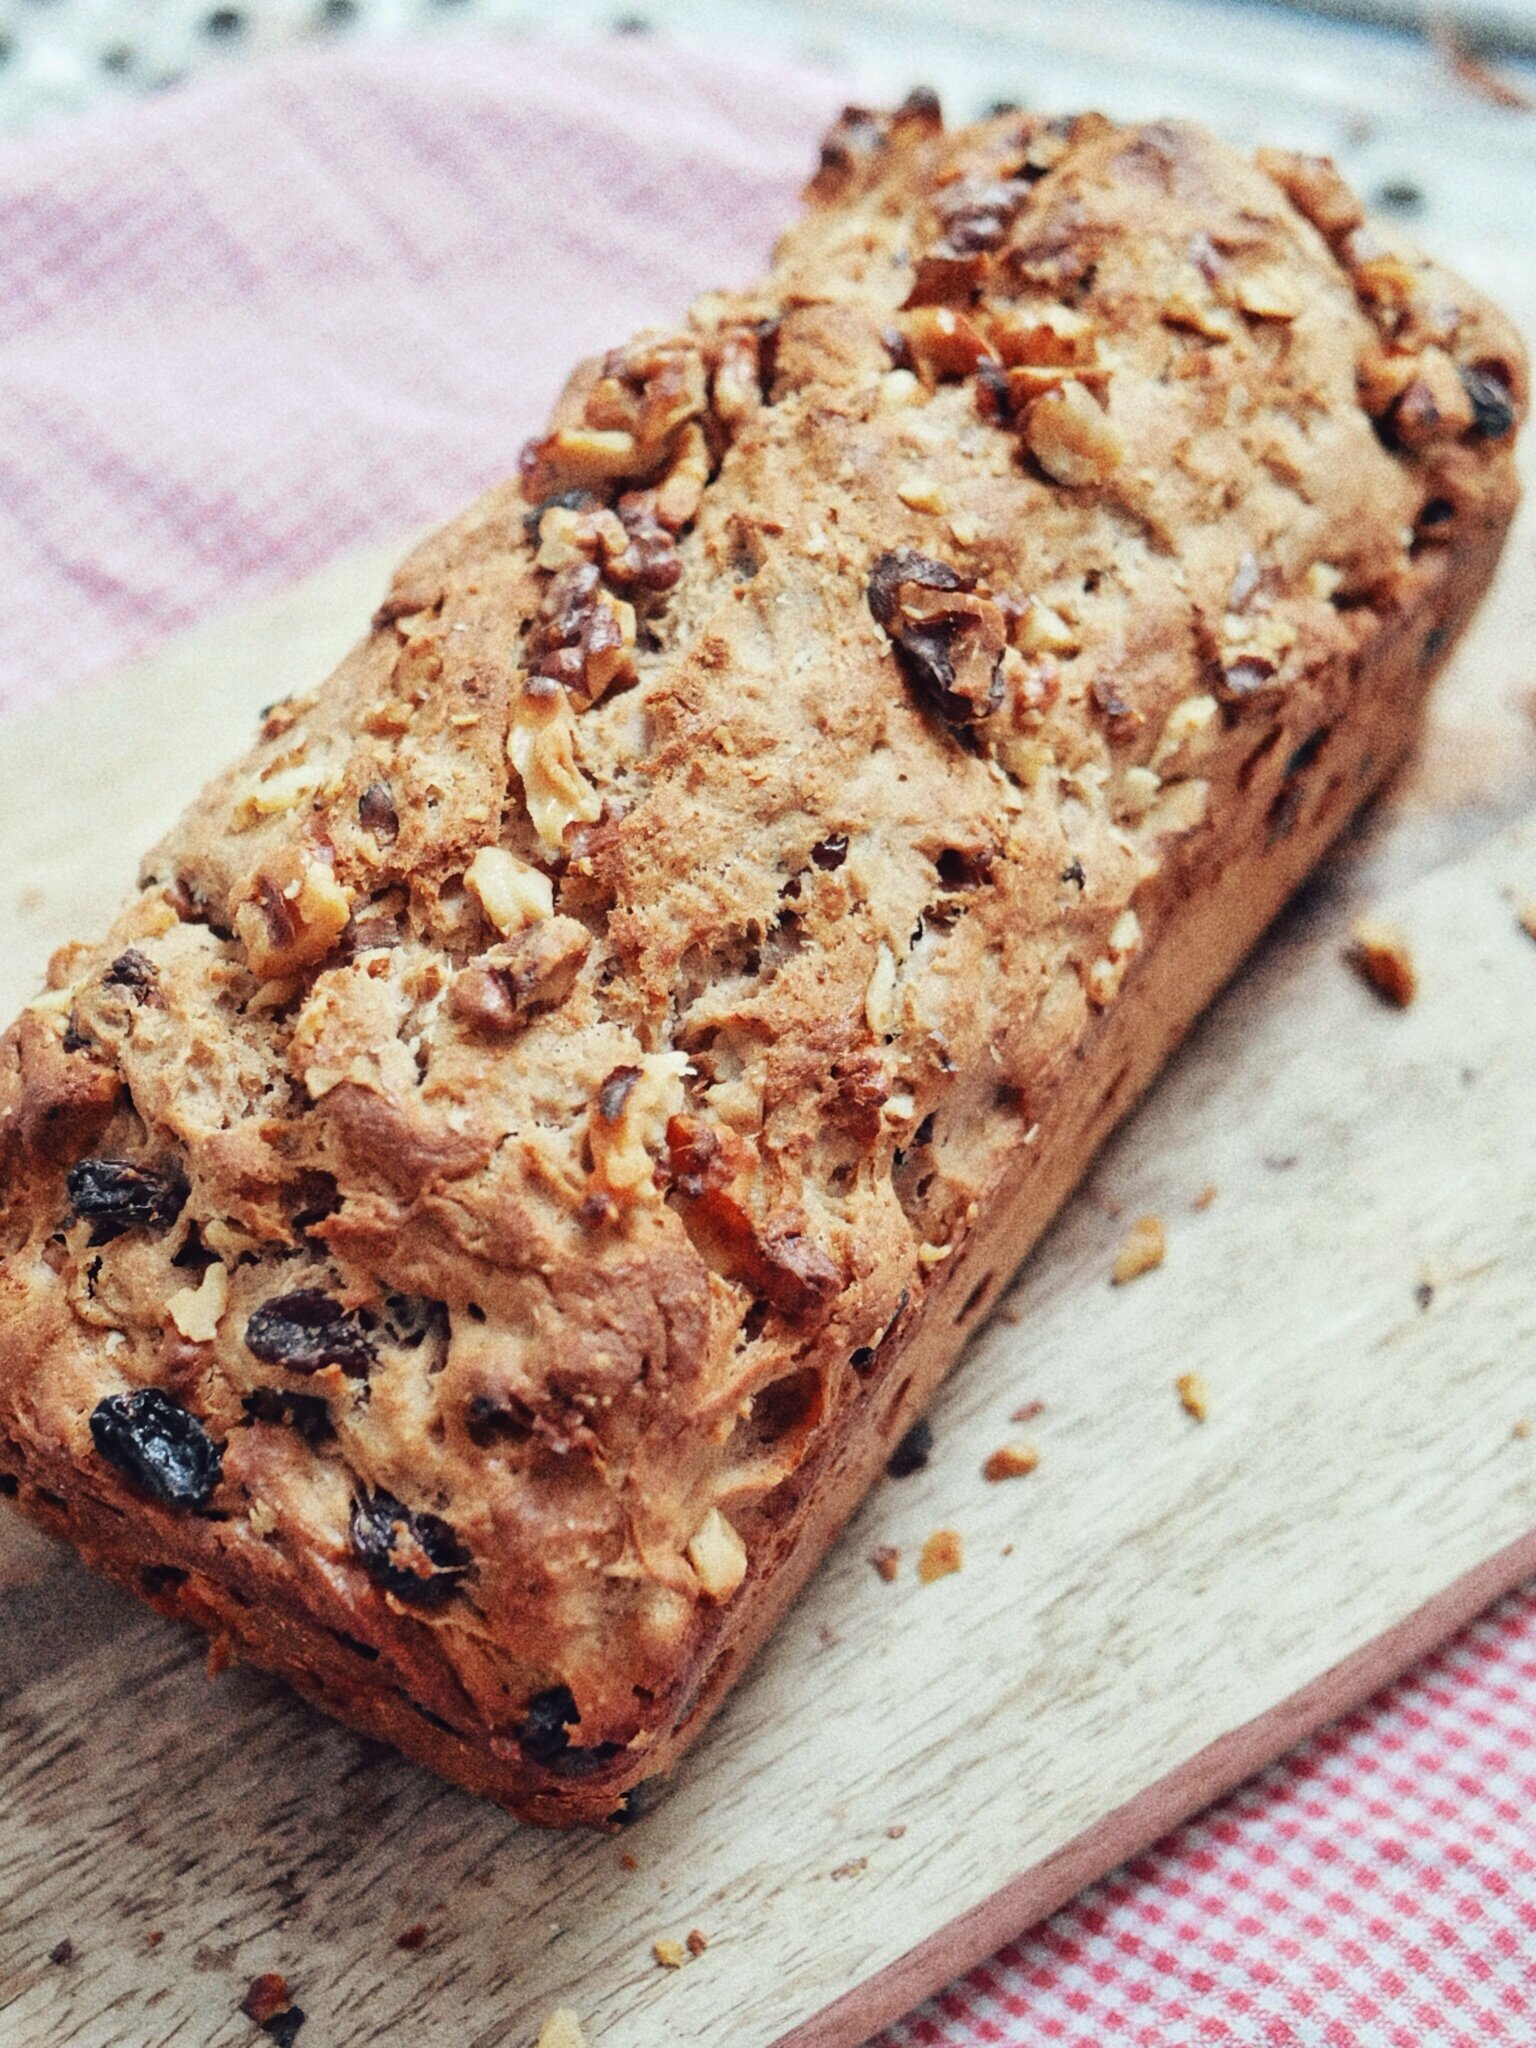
{"x": 529, "y": 1086}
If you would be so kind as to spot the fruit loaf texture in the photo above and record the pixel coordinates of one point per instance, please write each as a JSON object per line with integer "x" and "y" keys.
{"x": 475, "y": 1227}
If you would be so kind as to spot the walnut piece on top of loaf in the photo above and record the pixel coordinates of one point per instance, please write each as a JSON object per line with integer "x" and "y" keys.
{"x": 475, "y": 1226}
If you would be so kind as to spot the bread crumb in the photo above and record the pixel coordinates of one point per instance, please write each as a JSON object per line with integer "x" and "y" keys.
{"x": 1011, "y": 1461}
{"x": 697, "y": 1940}
{"x": 851, "y": 1868}
{"x": 1527, "y": 916}
{"x": 629, "y": 1860}
{"x": 670, "y": 1954}
{"x": 1027, "y": 1412}
{"x": 942, "y": 1554}
{"x": 1379, "y": 955}
{"x": 413, "y": 1937}
{"x": 1144, "y": 1248}
{"x": 562, "y": 2030}
{"x": 1521, "y": 1430}
{"x": 266, "y": 1997}
{"x": 1190, "y": 1388}
{"x": 1206, "y": 1196}
{"x": 896, "y": 1830}
{"x": 886, "y": 1559}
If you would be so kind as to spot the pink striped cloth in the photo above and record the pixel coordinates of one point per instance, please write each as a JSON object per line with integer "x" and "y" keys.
{"x": 309, "y": 306}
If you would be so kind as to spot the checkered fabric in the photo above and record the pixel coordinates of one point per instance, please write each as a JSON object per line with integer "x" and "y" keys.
{"x": 313, "y": 305}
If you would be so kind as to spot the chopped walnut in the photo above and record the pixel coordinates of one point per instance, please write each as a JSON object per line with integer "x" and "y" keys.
{"x": 541, "y": 747}
{"x": 950, "y": 640}
{"x": 1144, "y": 1248}
{"x": 736, "y": 393}
{"x": 1527, "y": 918}
{"x": 680, "y": 491}
{"x": 1011, "y": 1461}
{"x": 197, "y": 1311}
{"x": 510, "y": 892}
{"x": 569, "y": 535}
{"x": 1379, "y": 955}
{"x": 1315, "y": 189}
{"x": 584, "y": 636}
{"x": 1107, "y": 973}
{"x": 697, "y": 1941}
{"x": 1190, "y": 1388}
{"x": 534, "y": 970}
{"x": 1434, "y": 406}
{"x": 1188, "y": 721}
{"x": 293, "y": 919}
{"x": 943, "y": 343}
{"x": 271, "y": 795}
{"x": 718, "y": 1555}
{"x": 628, "y": 1125}
{"x": 880, "y": 1006}
{"x": 942, "y": 1553}
{"x": 886, "y": 1559}
{"x": 1072, "y": 438}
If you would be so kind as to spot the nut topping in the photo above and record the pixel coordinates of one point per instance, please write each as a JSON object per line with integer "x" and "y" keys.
{"x": 949, "y": 640}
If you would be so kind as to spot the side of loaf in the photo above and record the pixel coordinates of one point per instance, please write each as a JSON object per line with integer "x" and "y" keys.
{"x": 476, "y": 1225}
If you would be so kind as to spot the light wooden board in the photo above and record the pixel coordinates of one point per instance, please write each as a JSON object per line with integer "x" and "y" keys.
{"x": 1160, "y": 1609}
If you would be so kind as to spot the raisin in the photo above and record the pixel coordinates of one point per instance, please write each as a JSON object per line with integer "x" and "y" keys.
{"x": 913, "y": 1452}
{"x": 114, "y": 1195}
{"x": 831, "y": 852}
{"x": 376, "y": 811}
{"x": 308, "y": 1330}
{"x": 159, "y": 1445}
{"x": 133, "y": 970}
{"x": 417, "y": 1557}
{"x": 307, "y": 1413}
{"x": 1493, "y": 410}
{"x": 544, "y": 1736}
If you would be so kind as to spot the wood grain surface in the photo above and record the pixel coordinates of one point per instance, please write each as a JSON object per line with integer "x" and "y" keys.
{"x": 912, "y": 1773}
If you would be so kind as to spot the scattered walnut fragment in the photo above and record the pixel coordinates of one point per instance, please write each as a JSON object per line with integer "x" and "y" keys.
{"x": 62, "y": 1952}
{"x": 697, "y": 1941}
{"x": 268, "y": 2003}
{"x": 886, "y": 1559}
{"x": 1143, "y": 1249}
{"x": 1527, "y": 916}
{"x": 1190, "y": 1388}
{"x": 562, "y": 2030}
{"x": 1379, "y": 955}
{"x": 852, "y": 1868}
{"x": 942, "y": 1554}
{"x": 1206, "y": 1196}
{"x": 670, "y": 1954}
{"x": 1011, "y": 1461}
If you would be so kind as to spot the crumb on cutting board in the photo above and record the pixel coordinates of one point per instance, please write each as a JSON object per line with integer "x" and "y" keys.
{"x": 562, "y": 2030}
{"x": 1190, "y": 1388}
{"x": 1011, "y": 1461}
{"x": 886, "y": 1559}
{"x": 413, "y": 1937}
{"x": 62, "y": 1952}
{"x": 670, "y": 1954}
{"x": 1027, "y": 1411}
{"x": 1527, "y": 916}
{"x": 942, "y": 1554}
{"x": 913, "y": 1451}
{"x": 852, "y": 1868}
{"x": 268, "y": 2002}
{"x": 1206, "y": 1196}
{"x": 697, "y": 1941}
{"x": 1379, "y": 955}
{"x": 1143, "y": 1249}
{"x": 1521, "y": 1429}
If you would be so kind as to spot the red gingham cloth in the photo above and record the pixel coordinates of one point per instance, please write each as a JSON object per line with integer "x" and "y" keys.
{"x": 250, "y": 326}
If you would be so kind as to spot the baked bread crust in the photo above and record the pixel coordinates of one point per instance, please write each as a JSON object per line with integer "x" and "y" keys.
{"x": 473, "y": 1229}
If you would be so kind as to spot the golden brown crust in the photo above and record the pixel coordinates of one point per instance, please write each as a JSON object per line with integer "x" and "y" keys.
{"x": 570, "y": 1089}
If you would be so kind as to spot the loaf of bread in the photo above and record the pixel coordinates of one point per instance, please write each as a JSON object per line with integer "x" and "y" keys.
{"x": 553, "y": 1112}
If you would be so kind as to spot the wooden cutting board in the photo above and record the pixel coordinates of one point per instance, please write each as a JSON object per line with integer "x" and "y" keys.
{"x": 912, "y": 1774}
